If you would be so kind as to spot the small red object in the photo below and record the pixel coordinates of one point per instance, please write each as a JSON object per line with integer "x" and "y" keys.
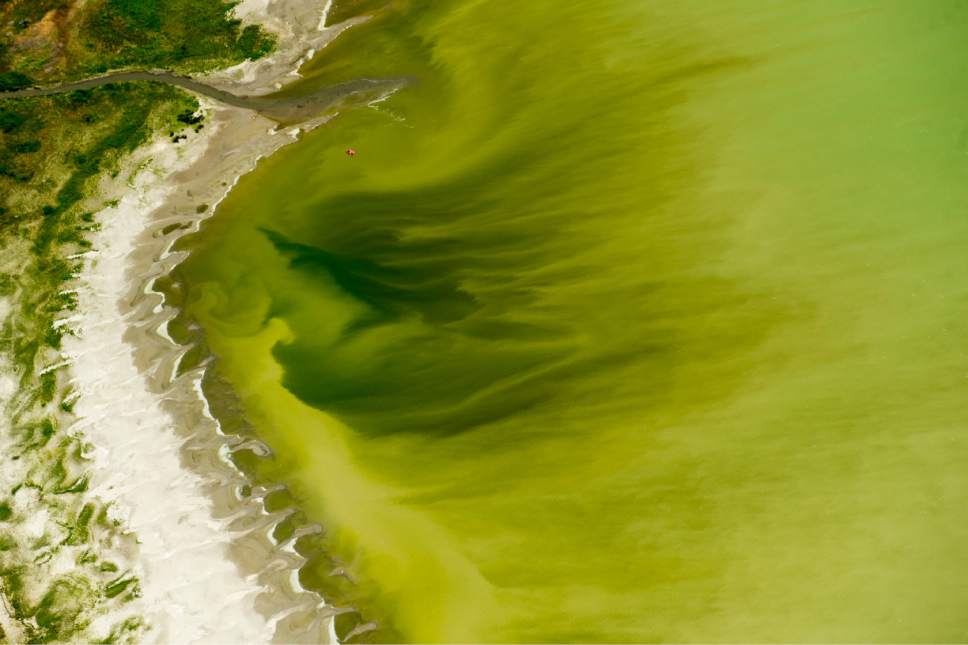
{"x": 350, "y": 152}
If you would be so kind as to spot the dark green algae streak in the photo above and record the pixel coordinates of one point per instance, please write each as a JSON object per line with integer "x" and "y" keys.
{"x": 629, "y": 321}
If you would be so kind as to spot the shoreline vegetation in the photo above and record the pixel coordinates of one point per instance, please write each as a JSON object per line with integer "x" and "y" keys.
{"x": 44, "y": 231}
{"x": 46, "y": 41}
{"x": 68, "y": 557}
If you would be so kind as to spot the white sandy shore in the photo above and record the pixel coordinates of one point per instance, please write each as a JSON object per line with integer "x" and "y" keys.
{"x": 208, "y": 570}
{"x": 302, "y": 30}
{"x": 191, "y": 591}
{"x": 194, "y": 589}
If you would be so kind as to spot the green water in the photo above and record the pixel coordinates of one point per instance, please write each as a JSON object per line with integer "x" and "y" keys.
{"x": 629, "y": 321}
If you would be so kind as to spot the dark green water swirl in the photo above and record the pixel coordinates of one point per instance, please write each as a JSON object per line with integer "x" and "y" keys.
{"x": 629, "y": 321}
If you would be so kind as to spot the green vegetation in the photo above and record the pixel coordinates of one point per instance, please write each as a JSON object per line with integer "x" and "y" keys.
{"x": 174, "y": 34}
{"x": 10, "y": 81}
{"x": 53, "y": 151}
{"x": 44, "y": 41}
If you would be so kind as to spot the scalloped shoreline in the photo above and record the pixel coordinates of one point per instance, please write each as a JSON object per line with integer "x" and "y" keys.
{"x": 208, "y": 566}
{"x": 208, "y": 570}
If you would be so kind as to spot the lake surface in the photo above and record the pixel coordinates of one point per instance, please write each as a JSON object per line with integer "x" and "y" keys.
{"x": 629, "y": 321}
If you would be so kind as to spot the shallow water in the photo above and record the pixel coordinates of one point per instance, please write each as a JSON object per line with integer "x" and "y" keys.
{"x": 283, "y": 109}
{"x": 629, "y": 321}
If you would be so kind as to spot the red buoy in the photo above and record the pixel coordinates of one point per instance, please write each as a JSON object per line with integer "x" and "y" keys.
{"x": 350, "y": 152}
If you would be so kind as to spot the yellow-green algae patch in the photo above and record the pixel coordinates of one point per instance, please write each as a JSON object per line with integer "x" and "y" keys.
{"x": 629, "y": 321}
